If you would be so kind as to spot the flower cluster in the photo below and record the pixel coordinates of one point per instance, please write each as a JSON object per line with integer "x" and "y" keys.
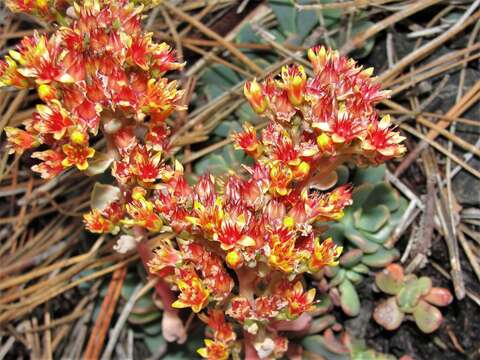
{"x": 239, "y": 246}
{"x": 101, "y": 71}
{"x": 334, "y": 112}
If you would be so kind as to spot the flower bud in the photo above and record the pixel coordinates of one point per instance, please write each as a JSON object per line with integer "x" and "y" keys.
{"x": 253, "y": 93}
{"x": 234, "y": 259}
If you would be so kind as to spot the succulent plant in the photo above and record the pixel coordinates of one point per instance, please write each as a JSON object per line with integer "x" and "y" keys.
{"x": 340, "y": 281}
{"x": 413, "y": 296}
{"x": 376, "y": 211}
{"x": 345, "y": 347}
{"x": 363, "y": 230}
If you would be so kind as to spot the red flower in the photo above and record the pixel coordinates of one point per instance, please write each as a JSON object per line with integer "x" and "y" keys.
{"x": 20, "y": 140}
{"x": 51, "y": 165}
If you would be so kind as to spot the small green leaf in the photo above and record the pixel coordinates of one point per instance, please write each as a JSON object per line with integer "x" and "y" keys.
{"x": 354, "y": 277}
{"x": 382, "y": 257}
{"x": 247, "y": 35}
{"x": 390, "y": 279}
{"x": 349, "y": 299}
{"x": 388, "y": 314}
{"x": 321, "y": 323}
{"x": 360, "y": 241}
{"x": 361, "y": 269}
{"x": 371, "y": 219}
{"x": 371, "y": 175}
{"x": 427, "y": 317}
{"x": 213, "y": 164}
{"x": 338, "y": 278}
{"x": 360, "y": 194}
{"x": 383, "y": 194}
{"x": 226, "y": 128}
{"x": 316, "y": 344}
{"x": 155, "y": 344}
{"x": 351, "y": 258}
{"x": 286, "y": 15}
{"x": 412, "y": 292}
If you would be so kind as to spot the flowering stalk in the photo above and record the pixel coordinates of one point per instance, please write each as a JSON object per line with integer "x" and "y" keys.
{"x": 242, "y": 244}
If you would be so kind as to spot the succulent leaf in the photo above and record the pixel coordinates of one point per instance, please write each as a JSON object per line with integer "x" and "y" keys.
{"x": 360, "y": 241}
{"x": 371, "y": 219}
{"x": 360, "y": 194}
{"x": 427, "y": 317}
{"x": 349, "y": 299}
{"x": 354, "y": 277}
{"x": 390, "y": 279}
{"x": 412, "y": 292}
{"x": 439, "y": 296}
{"x": 383, "y": 193}
{"x": 382, "y": 257}
{"x": 388, "y": 314}
{"x": 371, "y": 174}
{"x": 351, "y": 258}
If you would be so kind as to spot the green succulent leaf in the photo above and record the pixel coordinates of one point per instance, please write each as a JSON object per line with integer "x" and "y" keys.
{"x": 371, "y": 175}
{"x": 361, "y": 269}
{"x": 412, "y": 291}
{"x": 390, "y": 280}
{"x": 351, "y": 258}
{"x": 317, "y": 344}
{"x": 226, "y": 128}
{"x": 144, "y": 318}
{"x": 338, "y": 278}
{"x": 381, "y": 258}
{"x": 360, "y": 194}
{"x": 354, "y": 277}
{"x": 371, "y": 219}
{"x": 321, "y": 323}
{"x": 155, "y": 343}
{"x": 349, "y": 299}
{"x": 383, "y": 194}
{"x": 213, "y": 164}
{"x": 427, "y": 317}
{"x": 388, "y": 314}
{"x": 360, "y": 241}
{"x": 382, "y": 235}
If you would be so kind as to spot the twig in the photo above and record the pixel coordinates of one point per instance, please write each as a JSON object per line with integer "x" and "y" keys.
{"x": 115, "y": 333}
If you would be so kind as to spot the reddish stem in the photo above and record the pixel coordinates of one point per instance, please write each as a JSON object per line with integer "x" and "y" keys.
{"x": 250, "y": 352}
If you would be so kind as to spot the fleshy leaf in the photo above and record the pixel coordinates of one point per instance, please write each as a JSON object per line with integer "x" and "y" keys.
{"x": 351, "y": 258}
{"x": 383, "y": 194}
{"x": 390, "y": 280}
{"x": 370, "y": 174}
{"x": 388, "y": 314}
{"x": 427, "y": 317}
{"x": 102, "y": 195}
{"x": 316, "y": 344}
{"x": 99, "y": 163}
{"x": 381, "y": 258}
{"x": 349, "y": 298}
{"x": 412, "y": 291}
{"x": 360, "y": 241}
{"x": 439, "y": 296}
{"x": 371, "y": 219}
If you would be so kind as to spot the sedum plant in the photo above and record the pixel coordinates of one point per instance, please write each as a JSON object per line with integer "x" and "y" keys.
{"x": 413, "y": 296}
{"x": 344, "y": 347}
{"x": 235, "y": 249}
{"x": 377, "y": 208}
